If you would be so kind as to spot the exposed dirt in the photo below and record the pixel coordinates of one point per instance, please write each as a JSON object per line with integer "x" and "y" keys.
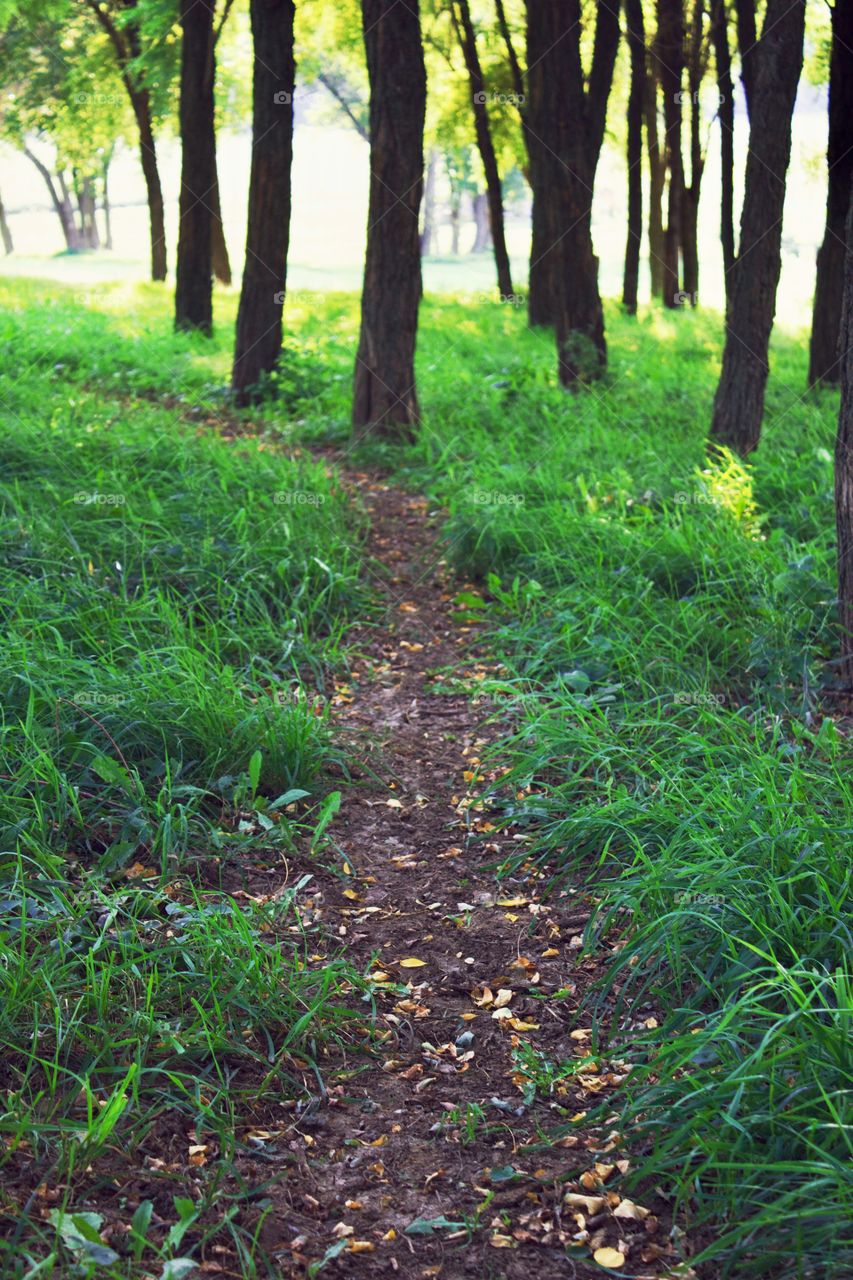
{"x": 440, "y": 1127}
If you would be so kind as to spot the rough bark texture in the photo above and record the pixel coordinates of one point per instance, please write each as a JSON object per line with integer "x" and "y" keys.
{"x": 259, "y": 318}
{"x": 565, "y": 130}
{"x": 670, "y": 43}
{"x": 748, "y": 48}
{"x": 5, "y": 233}
{"x": 60, "y": 201}
{"x": 739, "y": 402}
{"x": 482, "y": 129}
{"x": 194, "y": 279}
{"x": 726, "y": 115}
{"x": 384, "y": 398}
{"x": 844, "y": 464}
{"x": 824, "y": 365}
{"x": 635, "y": 35}
{"x": 482, "y": 227}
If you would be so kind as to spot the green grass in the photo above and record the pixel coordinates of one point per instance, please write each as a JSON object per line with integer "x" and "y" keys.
{"x": 172, "y": 600}
{"x": 667, "y": 625}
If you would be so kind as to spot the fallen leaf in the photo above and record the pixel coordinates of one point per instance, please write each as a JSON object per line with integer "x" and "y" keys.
{"x": 608, "y": 1257}
{"x": 411, "y": 962}
{"x": 627, "y": 1209}
{"x": 503, "y": 997}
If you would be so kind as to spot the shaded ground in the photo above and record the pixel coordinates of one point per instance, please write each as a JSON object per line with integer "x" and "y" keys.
{"x": 431, "y": 1162}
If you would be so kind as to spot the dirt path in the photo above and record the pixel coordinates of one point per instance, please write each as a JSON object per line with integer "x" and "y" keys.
{"x": 437, "y": 1131}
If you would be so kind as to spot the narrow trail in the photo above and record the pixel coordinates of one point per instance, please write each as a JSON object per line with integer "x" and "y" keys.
{"x": 437, "y": 1130}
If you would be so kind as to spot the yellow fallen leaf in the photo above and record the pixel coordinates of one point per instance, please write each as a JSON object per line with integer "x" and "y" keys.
{"x": 608, "y": 1257}
{"x": 411, "y": 962}
{"x": 391, "y": 1234}
{"x": 500, "y": 1241}
{"x": 513, "y": 902}
{"x": 342, "y": 1230}
{"x": 590, "y": 1204}
{"x": 394, "y": 804}
{"x": 360, "y": 1246}
{"x": 503, "y": 997}
{"x": 627, "y": 1209}
{"x": 351, "y": 894}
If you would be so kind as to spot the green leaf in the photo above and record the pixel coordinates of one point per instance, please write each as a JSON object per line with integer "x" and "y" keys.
{"x": 255, "y": 770}
{"x": 426, "y": 1226}
{"x": 332, "y": 1252}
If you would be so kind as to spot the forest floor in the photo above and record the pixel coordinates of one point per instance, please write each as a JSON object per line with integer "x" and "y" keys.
{"x": 435, "y": 1159}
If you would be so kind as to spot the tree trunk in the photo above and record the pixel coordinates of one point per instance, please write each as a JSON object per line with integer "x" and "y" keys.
{"x": 193, "y": 278}
{"x": 565, "y": 129}
{"x": 259, "y": 319}
{"x": 482, "y": 228}
{"x": 105, "y": 203}
{"x": 636, "y": 37}
{"x": 824, "y": 363}
{"x": 670, "y": 42}
{"x": 428, "y": 233}
{"x": 485, "y": 146}
{"x": 455, "y": 219}
{"x": 691, "y": 193}
{"x": 657, "y": 180}
{"x": 150, "y": 171}
{"x": 739, "y": 402}
{"x": 748, "y": 48}
{"x": 384, "y": 397}
{"x": 5, "y": 233}
{"x": 844, "y": 463}
{"x": 61, "y": 203}
{"x": 85, "y": 192}
{"x": 726, "y": 113}
{"x": 220, "y": 261}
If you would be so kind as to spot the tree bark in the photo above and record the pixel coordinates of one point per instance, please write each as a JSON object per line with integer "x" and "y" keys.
{"x": 220, "y": 261}
{"x": 696, "y": 65}
{"x": 105, "y": 202}
{"x": 636, "y": 38}
{"x": 259, "y": 318}
{"x": 739, "y": 401}
{"x": 428, "y": 232}
{"x": 671, "y": 47}
{"x": 482, "y": 227}
{"x": 565, "y": 130}
{"x": 5, "y": 233}
{"x": 844, "y": 463}
{"x": 126, "y": 46}
{"x": 384, "y": 396}
{"x": 824, "y": 363}
{"x": 726, "y": 114}
{"x": 193, "y": 278}
{"x": 61, "y": 203}
{"x": 485, "y": 146}
{"x": 748, "y": 48}
{"x": 657, "y": 180}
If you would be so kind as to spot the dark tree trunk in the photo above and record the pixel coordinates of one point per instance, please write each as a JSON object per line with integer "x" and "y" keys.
{"x": 690, "y": 197}
{"x": 485, "y": 146}
{"x": 5, "y": 233}
{"x": 193, "y": 278}
{"x": 657, "y": 180}
{"x": 636, "y": 37}
{"x": 218, "y": 248}
{"x": 126, "y": 46}
{"x": 824, "y": 364}
{"x": 726, "y": 114}
{"x": 259, "y": 319}
{"x": 384, "y": 397}
{"x": 105, "y": 204}
{"x": 482, "y": 226}
{"x": 85, "y": 192}
{"x": 428, "y": 232}
{"x": 748, "y": 49}
{"x": 670, "y": 43}
{"x": 739, "y": 402}
{"x": 844, "y": 463}
{"x": 565, "y": 130}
